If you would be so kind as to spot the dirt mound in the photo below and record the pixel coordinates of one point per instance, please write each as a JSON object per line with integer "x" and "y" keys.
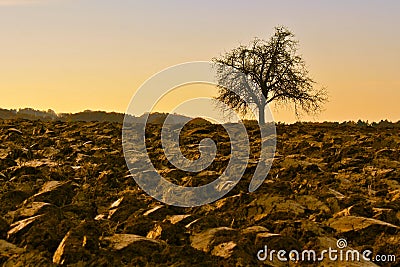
{"x": 67, "y": 197}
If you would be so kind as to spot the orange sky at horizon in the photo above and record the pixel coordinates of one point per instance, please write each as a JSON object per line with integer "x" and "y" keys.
{"x": 74, "y": 55}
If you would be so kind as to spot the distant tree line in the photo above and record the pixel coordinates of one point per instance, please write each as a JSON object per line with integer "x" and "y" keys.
{"x": 87, "y": 115}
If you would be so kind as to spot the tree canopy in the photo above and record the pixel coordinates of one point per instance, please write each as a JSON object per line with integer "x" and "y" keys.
{"x": 266, "y": 71}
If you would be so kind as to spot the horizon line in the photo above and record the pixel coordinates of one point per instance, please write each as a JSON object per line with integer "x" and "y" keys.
{"x": 192, "y": 117}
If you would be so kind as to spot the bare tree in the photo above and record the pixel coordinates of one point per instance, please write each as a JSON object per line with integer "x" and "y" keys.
{"x": 267, "y": 71}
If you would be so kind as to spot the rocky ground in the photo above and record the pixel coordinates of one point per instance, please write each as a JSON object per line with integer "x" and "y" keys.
{"x": 67, "y": 197}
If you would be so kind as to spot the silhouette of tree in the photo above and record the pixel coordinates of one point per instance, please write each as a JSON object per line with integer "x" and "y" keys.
{"x": 272, "y": 69}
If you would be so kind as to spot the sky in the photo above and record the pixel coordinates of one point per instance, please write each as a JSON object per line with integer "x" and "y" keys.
{"x": 74, "y": 55}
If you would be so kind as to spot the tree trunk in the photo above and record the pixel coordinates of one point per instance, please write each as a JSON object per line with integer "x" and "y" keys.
{"x": 261, "y": 115}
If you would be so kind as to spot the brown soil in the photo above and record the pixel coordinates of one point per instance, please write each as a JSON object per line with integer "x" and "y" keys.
{"x": 68, "y": 198}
